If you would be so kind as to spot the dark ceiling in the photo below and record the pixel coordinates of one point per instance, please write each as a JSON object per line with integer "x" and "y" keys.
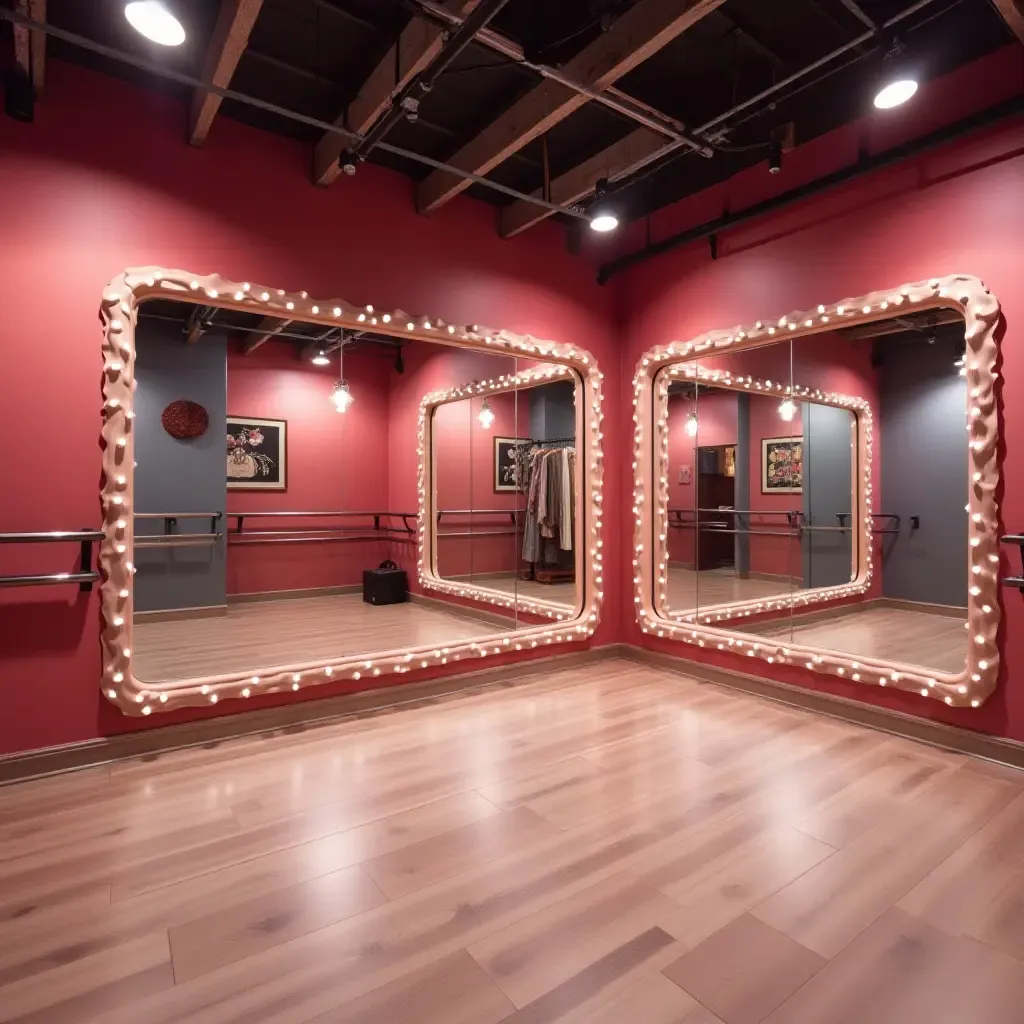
{"x": 314, "y": 56}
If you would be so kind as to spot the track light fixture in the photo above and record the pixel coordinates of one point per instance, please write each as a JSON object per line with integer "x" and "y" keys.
{"x": 154, "y": 20}
{"x": 775, "y": 154}
{"x": 320, "y": 357}
{"x": 898, "y": 81}
{"x": 603, "y": 216}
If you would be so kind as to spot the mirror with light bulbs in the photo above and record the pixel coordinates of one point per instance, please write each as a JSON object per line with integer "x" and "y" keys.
{"x": 252, "y": 557}
{"x": 505, "y": 489}
{"x": 814, "y": 492}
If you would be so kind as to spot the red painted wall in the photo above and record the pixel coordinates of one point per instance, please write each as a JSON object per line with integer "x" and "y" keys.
{"x": 334, "y": 463}
{"x": 79, "y": 210}
{"x": 957, "y": 210}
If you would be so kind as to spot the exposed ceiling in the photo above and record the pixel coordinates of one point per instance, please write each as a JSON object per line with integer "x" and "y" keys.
{"x": 250, "y": 331}
{"x": 666, "y": 97}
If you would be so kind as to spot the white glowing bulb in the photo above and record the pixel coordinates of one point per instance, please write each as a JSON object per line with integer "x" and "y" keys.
{"x": 787, "y": 409}
{"x": 152, "y": 19}
{"x": 895, "y": 93}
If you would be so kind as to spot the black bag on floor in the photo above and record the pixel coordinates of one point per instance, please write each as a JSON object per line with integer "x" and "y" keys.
{"x": 385, "y": 585}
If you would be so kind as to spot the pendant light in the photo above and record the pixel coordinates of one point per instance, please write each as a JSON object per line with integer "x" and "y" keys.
{"x": 898, "y": 81}
{"x": 154, "y": 20}
{"x": 787, "y": 409}
{"x": 603, "y": 217}
{"x": 320, "y": 357}
{"x": 691, "y": 424}
{"x": 486, "y": 415}
{"x": 341, "y": 396}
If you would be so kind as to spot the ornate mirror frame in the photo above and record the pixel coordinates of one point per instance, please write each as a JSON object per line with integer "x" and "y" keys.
{"x": 980, "y": 310}
{"x": 863, "y": 430}
{"x": 429, "y": 577}
{"x": 119, "y": 313}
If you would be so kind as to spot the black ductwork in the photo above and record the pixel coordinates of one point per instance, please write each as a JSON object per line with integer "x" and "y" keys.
{"x": 990, "y": 116}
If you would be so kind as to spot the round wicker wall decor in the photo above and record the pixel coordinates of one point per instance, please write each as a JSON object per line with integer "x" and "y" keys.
{"x": 184, "y": 419}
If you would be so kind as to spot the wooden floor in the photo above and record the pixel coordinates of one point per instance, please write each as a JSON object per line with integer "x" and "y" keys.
{"x": 257, "y": 636}
{"x": 917, "y": 638}
{"x": 604, "y": 844}
{"x": 688, "y": 589}
{"x": 560, "y": 593}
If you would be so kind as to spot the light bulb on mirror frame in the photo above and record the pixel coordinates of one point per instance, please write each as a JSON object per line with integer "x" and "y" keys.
{"x": 787, "y": 409}
{"x": 691, "y": 424}
{"x": 486, "y": 415}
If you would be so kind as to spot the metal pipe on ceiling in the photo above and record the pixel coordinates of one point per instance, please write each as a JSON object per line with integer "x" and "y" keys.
{"x": 407, "y": 102}
{"x": 612, "y": 98}
{"x": 915, "y": 147}
{"x": 771, "y": 91}
{"x": 112, "y": 53}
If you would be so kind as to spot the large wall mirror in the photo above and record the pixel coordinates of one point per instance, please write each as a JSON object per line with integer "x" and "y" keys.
{"x": 808, "y": 494}
{"x": 503, "y": 492}
{"x": 265, "y": 451}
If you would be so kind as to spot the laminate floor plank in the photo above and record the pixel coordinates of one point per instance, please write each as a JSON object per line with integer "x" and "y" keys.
{"x": 531, "y": 852}
{"x": 225, "y": 936}
{"x": 901, "y": 970}
{"x": 452, "y": 990}
{"x": 828, "y": 906}
{"x": 415, "y": 867}
{"x": 745, "y": 970}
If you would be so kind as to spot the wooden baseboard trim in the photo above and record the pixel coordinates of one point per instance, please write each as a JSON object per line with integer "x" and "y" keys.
{"x": 293, "y": 595}
{"x": 148, "y": 743}
{"x": 210, "y": 611}
{"x": 897, "y": 723}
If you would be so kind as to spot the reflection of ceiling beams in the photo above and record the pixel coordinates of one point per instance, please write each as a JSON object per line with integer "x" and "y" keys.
{"x": 1012, "y": 12}
{"x": 633, "y": 152}
{"x": 265, "y": 330}
{"x": 643, "y": 30}
{"x": 195, "y": 325}
{"x": 918, "y": 323}
{"x": 230, "y": 38}
{"x": 418, "y": 44}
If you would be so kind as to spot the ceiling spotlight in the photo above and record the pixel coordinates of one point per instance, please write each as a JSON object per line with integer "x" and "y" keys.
{"x": 787, "y": 409}
{"x": 152, "y": 19}
{"x": 691, "y": 424}
{"x": 320, "y": 358}
{"x": 486, "y": 415}
{"x": 897, "y": 82}
{"x": 603, "y": 217}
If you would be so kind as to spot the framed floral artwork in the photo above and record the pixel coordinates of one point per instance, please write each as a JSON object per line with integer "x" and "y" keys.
{"x": 782, "y": 465}
{"x": 256, "y": 454}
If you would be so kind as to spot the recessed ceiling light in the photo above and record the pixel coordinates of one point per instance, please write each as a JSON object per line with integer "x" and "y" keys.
{"x": 152, "y": 19}
{"x": 894, "y": 93}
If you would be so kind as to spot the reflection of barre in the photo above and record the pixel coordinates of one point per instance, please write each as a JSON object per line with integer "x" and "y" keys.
{"x": 177, "y": 540}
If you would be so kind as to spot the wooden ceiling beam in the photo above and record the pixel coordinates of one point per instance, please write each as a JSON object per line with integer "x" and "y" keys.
{"x": 230, "y": 38}
{"x": 263, "y": 332}
{"x": 641, "y": 31}
{"x": 194, "y": 325}
{"x": 418, "y": 44}
{"x": 631, "y": 153}
{"x": 1013, "y": 14}
{"x": 22, "y": 52}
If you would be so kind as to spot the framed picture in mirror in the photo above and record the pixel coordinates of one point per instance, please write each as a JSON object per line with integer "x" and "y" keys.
{"x": 257, "y": 454}
{"x": 782, "y": 465}
{"x": 505, "y": 464}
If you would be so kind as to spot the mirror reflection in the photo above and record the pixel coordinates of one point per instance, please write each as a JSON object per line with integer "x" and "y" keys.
{"x": 765, "y": 479}
{"x": 276, "y": 493}
{"x": 505, "y": 471}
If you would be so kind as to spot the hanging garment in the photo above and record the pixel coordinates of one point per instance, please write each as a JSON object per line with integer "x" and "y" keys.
{"x": 566, "y": 532}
